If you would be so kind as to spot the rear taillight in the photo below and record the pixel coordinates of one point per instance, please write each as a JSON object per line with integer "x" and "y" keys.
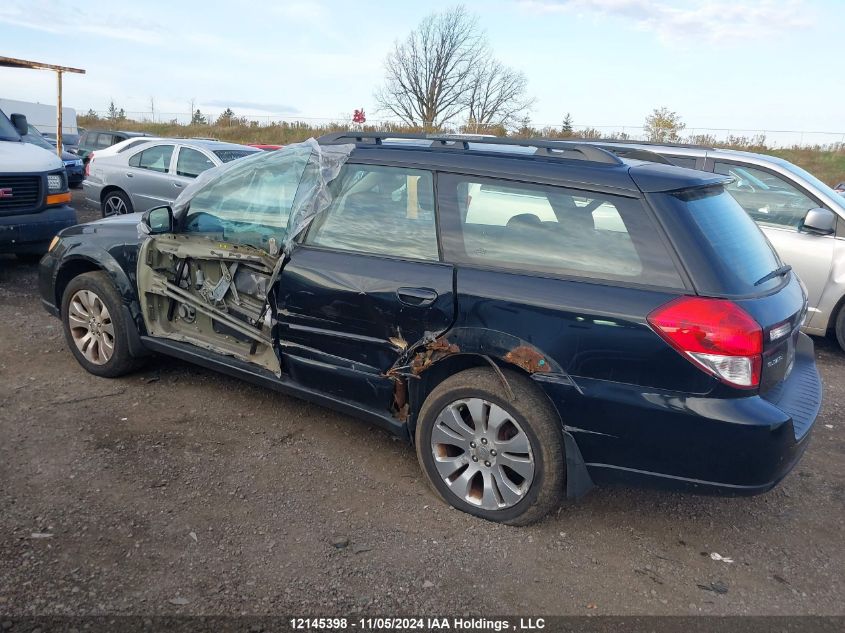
{"x": 88, "y": 164}
{"x": 716, "y": 335}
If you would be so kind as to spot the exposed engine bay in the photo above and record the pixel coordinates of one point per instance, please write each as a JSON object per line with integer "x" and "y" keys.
{"x": 213, "y": 295}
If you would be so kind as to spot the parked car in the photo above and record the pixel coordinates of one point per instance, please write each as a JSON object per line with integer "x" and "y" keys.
{"x": 522, "y": 357}
{"x": 139, "y": 176}
{"x": 802, "y": 217}
{"x": 70, "y": 141}
{"x": 100, "y": 139}
{"x": 72, "y": 162}
{"x": 34, "y": 198}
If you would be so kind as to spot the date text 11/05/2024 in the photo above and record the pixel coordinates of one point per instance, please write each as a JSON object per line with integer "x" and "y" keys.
{"x": 417, "y": 623}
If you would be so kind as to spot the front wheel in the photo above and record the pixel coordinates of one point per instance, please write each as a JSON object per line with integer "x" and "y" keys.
{"x": 498, "y": 458}
{"x": 94, "y": 325}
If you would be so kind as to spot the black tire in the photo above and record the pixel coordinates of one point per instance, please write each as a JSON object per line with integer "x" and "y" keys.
{"x": 110, "y": 201}
{"x": 121, "y": 361}
{"x": 839, "y": 327}
{"x": 531, "y": 409}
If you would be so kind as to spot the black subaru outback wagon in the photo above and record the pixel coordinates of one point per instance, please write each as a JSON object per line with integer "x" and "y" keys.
{"x": 534, "y": 316}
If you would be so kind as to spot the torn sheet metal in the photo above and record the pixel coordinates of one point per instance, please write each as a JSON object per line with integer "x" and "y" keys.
{"x": 432, "y": 348}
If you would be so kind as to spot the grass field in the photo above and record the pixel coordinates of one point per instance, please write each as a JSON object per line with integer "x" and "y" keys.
{"x": 827, "y": 164}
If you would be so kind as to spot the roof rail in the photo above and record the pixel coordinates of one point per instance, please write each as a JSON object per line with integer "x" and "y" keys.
{"x": 601, "y": 141}
{"x": 544, "y": 147}
{"x": 637, "y": 153}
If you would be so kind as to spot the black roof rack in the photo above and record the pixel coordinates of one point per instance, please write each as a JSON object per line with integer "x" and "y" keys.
{"x": 556, "y": 149}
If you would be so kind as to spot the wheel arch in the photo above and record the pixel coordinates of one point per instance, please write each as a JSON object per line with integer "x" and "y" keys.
{"x": 109, "y": 189}
{"x": 426, "y": 364}
{"x": 85, "y": 260}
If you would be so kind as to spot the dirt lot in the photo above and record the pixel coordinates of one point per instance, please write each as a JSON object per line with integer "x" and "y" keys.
{"x": 177, "y": 490}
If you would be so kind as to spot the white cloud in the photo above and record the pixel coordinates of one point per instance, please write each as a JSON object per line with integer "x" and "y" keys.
{"x": 709, "y": 20}
{"x": 49, "y": 18}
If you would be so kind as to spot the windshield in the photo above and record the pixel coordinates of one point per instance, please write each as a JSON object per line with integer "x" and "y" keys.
{"x": 227, "y": 155}
{"x": 7, "y": 130}
{"x": 34, "y": 138}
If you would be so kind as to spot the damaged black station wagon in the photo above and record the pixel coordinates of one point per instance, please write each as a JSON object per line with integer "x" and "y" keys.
{"x": 534, "y": 316}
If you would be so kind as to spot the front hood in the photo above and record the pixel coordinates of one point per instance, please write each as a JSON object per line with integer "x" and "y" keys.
{"x": 124, "y": 228}
{"x": 24, "y": 158}
{"x": 69, "y": 156}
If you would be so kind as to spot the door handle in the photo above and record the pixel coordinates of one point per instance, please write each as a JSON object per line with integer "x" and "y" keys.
{"x": 178, "y": 185}
{"x": 130, "y": 175}
{"x": 417, "y": 297}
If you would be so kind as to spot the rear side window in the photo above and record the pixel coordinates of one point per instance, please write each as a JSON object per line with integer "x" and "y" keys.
{"x": 104, "y": 140}
{"x": 192, "y": 163}
{"x": 682, "y": 161}
{"x": 729, "y": 240}
{"x": 380, "y": 210}
{"x": 155, "y": 159}
{"x": 536, "y": 228}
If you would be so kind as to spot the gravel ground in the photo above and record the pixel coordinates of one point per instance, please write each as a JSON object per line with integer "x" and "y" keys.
{"x": 176, "y": 490}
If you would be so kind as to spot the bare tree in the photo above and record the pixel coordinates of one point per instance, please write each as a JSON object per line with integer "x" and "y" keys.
{"x": 443, "y": 69}
{"x": 496, "y": 94}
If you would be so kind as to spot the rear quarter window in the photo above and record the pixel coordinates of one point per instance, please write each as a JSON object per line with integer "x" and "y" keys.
{"x": 552, "y": 230}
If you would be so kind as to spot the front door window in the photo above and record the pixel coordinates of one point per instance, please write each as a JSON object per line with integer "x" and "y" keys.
{"x": 768, "y": 198}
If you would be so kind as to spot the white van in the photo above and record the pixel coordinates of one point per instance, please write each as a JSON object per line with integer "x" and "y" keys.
{"x": 34, "y": 195}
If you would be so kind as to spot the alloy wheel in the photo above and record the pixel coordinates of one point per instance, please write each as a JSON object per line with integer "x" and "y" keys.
{"x": 91, "y": 327}
{"x": 482, "y": 454}
{"x": 114, "y": 205}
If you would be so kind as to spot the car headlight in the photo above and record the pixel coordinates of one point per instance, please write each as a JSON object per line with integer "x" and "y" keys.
{"x": 73, "y": 163}
{"x": 53, "y": 243}
{"x": 55, "y": 183}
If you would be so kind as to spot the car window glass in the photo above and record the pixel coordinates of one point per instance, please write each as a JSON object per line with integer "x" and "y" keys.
{"x": 155, "y": 159}
{"x": 555, "y": 230}
{"x": 192, "y": 163}
{"x": 103, "y": 140}
{"x": 250, "y": 203}
{"x": 768, "y": 198}
{"x": 682, "y": 161}
{"x": 380, "y": 210}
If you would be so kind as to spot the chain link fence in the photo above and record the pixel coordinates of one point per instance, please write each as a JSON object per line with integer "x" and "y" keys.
{"x": 740, "y": 137}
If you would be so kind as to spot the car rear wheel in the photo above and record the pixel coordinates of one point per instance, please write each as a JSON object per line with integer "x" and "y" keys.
{"x": 116, "y": 203}
{"x": 490, "y": 455}
{"x": 94, "y": 325}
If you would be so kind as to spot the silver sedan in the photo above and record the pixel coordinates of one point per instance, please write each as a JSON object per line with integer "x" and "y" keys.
{"x": 152, "y": 173}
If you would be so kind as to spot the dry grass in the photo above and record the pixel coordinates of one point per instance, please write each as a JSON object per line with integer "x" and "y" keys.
{"x": 826, "y": 163}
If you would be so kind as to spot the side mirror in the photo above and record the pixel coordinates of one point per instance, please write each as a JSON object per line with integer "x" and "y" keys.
{"x": 819, "y": 221}
{"x": 157, "y": 220}
{"x": 20, "y": 123}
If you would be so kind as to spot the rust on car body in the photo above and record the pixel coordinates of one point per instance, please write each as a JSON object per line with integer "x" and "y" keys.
{"x": 527, "y": 358}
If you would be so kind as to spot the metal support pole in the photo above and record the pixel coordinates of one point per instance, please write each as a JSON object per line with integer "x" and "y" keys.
{"x": 59, "y": 115}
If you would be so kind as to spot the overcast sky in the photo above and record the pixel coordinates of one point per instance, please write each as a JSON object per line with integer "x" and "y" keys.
{"x": 754, "y": 64}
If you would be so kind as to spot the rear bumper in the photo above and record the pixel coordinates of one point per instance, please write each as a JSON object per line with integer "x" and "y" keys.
{"x": 91, "y": 192}
{"x": 628, "y": 434}
{"x": 32, "y": 232}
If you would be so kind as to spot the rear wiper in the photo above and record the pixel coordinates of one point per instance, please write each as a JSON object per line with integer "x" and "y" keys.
{"x": 780, "y": 272}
